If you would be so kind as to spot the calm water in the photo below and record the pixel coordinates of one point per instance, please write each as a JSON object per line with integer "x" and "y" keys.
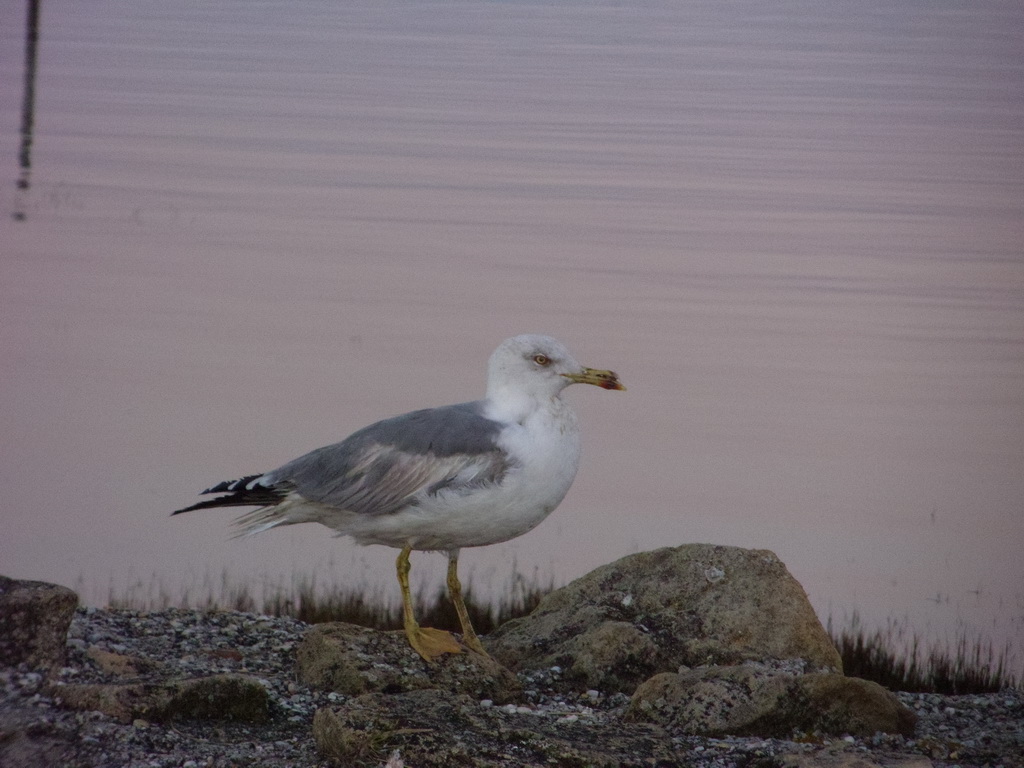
{"x": 794, "y": 229}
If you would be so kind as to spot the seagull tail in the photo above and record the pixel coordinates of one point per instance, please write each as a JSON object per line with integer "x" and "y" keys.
{"x": 244, "y": 492}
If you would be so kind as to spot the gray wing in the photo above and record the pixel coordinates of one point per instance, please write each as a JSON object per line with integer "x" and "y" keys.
{"x": 391, "y": 464}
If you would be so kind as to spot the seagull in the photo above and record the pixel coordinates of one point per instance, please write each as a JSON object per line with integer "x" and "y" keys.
{"x": 438, "y": 479}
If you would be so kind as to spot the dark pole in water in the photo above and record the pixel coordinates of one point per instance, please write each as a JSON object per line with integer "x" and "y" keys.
{"x": 28, "y": 102}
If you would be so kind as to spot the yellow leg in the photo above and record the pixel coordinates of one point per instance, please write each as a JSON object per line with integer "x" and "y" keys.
{"x": 469, "y": 636}
{"x": 428, "y": 643}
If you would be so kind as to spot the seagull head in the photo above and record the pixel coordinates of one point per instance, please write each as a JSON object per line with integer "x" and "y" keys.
{"x": 539, "y": 367}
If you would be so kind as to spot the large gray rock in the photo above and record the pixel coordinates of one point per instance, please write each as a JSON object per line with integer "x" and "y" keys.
{"x": 354, "y": 660}
{"x": 653, "y": 612}
{"x": 765, "y": 700}
{"x": 34, "y": 621}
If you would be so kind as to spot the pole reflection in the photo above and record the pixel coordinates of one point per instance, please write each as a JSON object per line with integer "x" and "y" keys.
{"x": 28, "y": 101}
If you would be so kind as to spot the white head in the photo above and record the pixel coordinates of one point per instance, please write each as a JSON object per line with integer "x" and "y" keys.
{"x": 538, "y": 368}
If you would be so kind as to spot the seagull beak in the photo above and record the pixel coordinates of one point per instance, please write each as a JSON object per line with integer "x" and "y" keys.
{"x": 603, "y": 379}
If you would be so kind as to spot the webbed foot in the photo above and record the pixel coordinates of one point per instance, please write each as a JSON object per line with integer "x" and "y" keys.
{"x": 431, "y": 643}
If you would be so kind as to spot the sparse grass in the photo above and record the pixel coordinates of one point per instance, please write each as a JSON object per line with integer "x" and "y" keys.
{"x": 434, "y": 610}
{"x": 305, "y": 600}
{"x": 900, "y": 660}
{"x": 894, "y": 657}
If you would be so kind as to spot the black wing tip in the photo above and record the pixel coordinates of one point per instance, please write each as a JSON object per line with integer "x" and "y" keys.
{"x": 238, "y": 495}
{"x": 232, "y": 486}
{"x": 219, "y": 502}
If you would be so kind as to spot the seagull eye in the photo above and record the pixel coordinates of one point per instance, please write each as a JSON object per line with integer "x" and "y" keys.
{"x": 542, "y": 360}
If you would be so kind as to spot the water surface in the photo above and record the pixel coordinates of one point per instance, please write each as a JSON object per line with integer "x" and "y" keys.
{"x": 795, "y": 230}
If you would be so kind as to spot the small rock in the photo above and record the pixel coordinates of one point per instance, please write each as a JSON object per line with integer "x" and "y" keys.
{"x": 34, "y": 621}
{"x": 217, "y": 697}
{"x": 757, "y": 700}
{"x": 353, "y": 660}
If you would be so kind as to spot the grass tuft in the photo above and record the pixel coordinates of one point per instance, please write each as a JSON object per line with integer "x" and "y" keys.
{"x": 899, "y": 660}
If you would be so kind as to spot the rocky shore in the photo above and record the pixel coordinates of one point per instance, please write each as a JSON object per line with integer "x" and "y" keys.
{"x": 636, "y": 664}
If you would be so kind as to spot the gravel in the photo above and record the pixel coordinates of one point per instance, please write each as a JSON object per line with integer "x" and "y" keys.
{"x": 972, "y": 730}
